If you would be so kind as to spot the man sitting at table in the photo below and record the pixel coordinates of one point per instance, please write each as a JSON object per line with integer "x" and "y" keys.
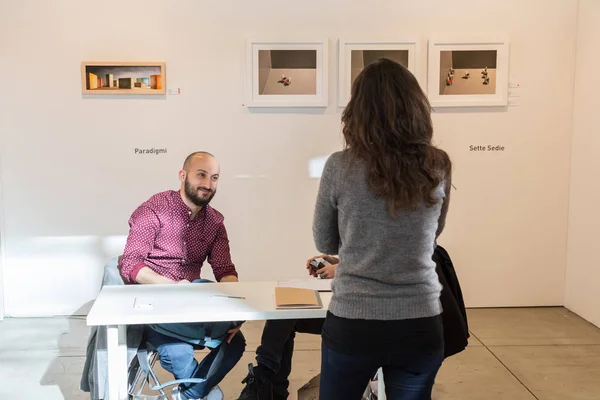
{"x": 171, "y": 235}
{"x": 269, "y": 379}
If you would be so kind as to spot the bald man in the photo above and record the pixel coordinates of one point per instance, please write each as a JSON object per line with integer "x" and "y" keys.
{"x": 171, "y": 235}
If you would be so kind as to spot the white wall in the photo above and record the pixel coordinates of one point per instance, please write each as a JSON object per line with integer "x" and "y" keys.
{"x": 583, "y": 273}
{"x": 71, "y": 178}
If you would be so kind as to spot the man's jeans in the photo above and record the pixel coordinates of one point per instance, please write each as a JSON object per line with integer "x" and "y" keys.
{"x": 177, "y": 357}
{"x": 407, "y": 376}
{"x": 277, "y": 347}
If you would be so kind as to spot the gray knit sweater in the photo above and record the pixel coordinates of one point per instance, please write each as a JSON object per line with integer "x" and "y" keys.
{"x": 386, "y": 270}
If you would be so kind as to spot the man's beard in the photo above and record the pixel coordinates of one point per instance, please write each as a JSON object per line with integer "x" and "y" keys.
{"x": 192, "y": 194}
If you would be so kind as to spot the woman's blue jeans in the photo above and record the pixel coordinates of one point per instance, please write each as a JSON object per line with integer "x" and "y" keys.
{"x": 407, "y": 376}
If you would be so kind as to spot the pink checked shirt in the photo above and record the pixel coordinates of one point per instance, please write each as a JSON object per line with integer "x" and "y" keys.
{"x": 163, "y": 238}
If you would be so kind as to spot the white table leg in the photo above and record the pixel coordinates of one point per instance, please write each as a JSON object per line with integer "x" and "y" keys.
{"x": 116, "y": 341}
{"x": 380, "y": 385}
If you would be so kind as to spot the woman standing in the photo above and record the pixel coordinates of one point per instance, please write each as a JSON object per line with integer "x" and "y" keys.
{"x": 382, "y": 203}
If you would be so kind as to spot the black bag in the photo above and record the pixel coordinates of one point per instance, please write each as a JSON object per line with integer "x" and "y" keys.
{"x": 454, "y": 315}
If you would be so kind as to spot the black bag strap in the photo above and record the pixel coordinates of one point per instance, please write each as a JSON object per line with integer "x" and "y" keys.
{"x": 142, "y": 355}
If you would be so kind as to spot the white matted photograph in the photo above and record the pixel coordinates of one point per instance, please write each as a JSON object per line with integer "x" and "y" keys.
{"x": 468, "y": 73}
{"x": 286, "y": 74}
{"x": 354, "y": 56}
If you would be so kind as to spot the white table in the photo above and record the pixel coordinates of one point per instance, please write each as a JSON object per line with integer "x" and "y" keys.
{"x": 114, "y": 308}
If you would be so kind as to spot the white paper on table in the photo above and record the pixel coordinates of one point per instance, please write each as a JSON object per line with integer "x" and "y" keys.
{"x": 321, "y": 285}
{"x": 143, "y": 303}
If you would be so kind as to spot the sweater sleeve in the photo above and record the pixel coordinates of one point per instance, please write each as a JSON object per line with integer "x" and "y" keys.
{"x": 325, "y": 224}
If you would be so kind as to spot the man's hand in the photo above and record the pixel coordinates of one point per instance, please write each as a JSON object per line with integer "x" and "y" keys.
{"x": 329, "y": 259}
{"x": 229, "y": 278}
{"x": 232, "y": 332}
{"x": 327, "y": 272}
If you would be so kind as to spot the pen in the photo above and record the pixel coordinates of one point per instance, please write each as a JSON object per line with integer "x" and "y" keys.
{"x": 230, "y": 297}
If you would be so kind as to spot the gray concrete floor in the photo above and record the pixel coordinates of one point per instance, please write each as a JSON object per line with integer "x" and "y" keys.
{"x": 514, "y": 354}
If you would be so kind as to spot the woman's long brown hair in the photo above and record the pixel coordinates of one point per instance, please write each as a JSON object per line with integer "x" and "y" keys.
{"x": 387, "y": 124}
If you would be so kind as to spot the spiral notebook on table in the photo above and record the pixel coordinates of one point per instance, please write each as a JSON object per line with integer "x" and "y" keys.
{"x": 288, "y": 297}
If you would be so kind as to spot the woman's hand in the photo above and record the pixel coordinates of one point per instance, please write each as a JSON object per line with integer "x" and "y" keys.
{"x": 329, "y": 259}
{"x": 327, "y": 272}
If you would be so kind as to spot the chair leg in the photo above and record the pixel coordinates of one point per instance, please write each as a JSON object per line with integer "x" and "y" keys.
{"x": 141, "y": 376}
{"x": 152, "y": 374}
{"x": 144, "y": 373}
{"x": 139, "y": 373}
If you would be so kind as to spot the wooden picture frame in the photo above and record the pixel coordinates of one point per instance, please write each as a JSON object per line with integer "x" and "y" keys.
{"x": 123, "y": 78}
{"x": 287, "y": 73}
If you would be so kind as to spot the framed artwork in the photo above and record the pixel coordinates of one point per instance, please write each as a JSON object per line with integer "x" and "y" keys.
{"x": 468, "y": 73}
{"x": 123, "y": 78}
{"x": 286, "y": 74}
{"x": 354, "y": 56}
